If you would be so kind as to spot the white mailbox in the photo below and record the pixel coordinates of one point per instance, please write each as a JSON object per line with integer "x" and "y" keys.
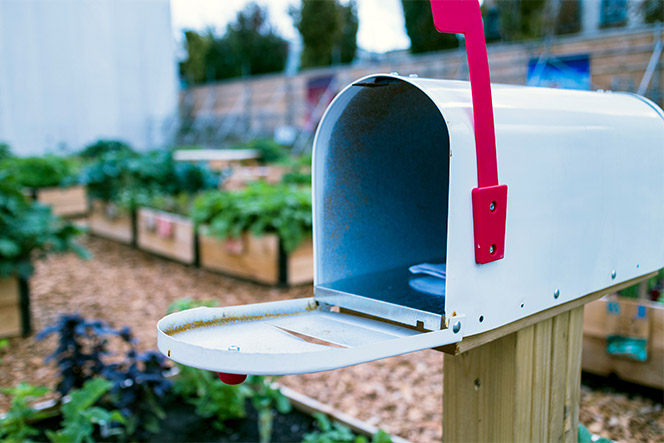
{"x": 417, "y": 244}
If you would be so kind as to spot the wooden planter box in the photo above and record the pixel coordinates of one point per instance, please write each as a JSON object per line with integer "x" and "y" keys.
{"x": 108, "y": 221}
{"x": 259, "y": 259}
{"x": 14, "y": 307}
{"x": 243, "y": 175}
{"x": 614, "y": 315}
{"x": 71, "y": 201}
{"x": 166, "y": 234}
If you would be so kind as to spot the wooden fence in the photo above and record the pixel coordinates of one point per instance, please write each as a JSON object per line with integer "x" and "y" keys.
{"x": 244, "y": 108}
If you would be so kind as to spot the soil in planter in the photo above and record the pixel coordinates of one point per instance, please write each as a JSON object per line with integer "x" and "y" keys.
{"x": 182, "y": 424}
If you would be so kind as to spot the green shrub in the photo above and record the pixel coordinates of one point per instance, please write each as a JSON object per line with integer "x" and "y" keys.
{"x": 133, "y": 181}
{"x": 41, "y": 172}
{"x": 655, "y": 286}
{"x": 14, "y": 426}
{"x": 329, "y": 432}
{"x": 260, "y": 208}
{"x": 176, "y": 204}
{"x": 270, "y": 151}
{"x": 5, "y": 151}
{"x": 182, "y": 304}
{"x": 27, "y": 228}
{"x": 210, "y": 397}
{"x": 107, "y": 176}
{"x": 297, "y": 178}
{"x": 266, "y": 398}
{"x": 102, "y": 147}
{"x": 81, "y": 416}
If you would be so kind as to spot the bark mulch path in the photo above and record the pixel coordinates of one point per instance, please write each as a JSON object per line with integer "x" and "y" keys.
{"x": 402, "y": 395}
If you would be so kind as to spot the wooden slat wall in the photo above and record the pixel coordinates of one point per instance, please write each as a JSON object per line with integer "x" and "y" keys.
{"x": 618, "y": 61}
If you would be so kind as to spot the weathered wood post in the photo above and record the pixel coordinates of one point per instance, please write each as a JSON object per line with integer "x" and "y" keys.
{"x": 520, "y": 382}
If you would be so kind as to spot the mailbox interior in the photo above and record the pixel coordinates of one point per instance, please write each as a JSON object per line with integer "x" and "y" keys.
{"x": 381, "y": 190}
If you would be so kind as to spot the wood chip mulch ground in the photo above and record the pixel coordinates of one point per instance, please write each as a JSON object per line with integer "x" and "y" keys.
{"x": 402, "y": 395}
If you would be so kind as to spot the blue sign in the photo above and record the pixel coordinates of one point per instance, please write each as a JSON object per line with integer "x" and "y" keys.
{"x": 570, "y": 72}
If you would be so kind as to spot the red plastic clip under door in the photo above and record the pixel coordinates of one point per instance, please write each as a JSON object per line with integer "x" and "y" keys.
{"x": 489, "y": 199}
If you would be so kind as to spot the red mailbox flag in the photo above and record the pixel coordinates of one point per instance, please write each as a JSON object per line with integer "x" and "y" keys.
{"x": 489, "y": 198}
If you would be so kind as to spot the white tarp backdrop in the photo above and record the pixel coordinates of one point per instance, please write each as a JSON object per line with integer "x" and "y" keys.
{"x": 74, "y": 71}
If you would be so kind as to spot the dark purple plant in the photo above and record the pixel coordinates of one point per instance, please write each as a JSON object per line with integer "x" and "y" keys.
{"x": 138, "y": 379}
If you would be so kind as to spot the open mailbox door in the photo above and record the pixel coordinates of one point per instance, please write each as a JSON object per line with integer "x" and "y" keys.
{"x": 415, "y": 245}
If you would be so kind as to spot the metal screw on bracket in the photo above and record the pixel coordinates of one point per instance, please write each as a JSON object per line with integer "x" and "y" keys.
{"x": 234, "y": 348}
{"x": 492, "y": 206}
{"x": 556, "y": 293}
{"x": 613, "y": 274}
{"x": 457, "y": 327}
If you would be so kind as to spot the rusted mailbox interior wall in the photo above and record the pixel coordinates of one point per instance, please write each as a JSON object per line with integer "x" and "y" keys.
{"x": 381, "y": 182}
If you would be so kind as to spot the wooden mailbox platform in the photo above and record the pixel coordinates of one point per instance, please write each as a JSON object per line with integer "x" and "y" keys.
{"x": 520, "y": 382}
{"x": 258, "y": 259}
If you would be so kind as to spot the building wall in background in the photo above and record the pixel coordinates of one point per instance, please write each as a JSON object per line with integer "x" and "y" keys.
{"x": 74, "y": 71}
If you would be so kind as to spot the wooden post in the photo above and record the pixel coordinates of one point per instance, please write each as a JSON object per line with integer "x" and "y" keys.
{"x": 520, "y": 382}
{"x": 524, "y": 386}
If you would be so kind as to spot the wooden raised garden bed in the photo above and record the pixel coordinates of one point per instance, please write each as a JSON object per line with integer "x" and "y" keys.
{"x": 243, "y": 175}
{"x": 166, "y": 234}
{"x": 259, "y": 259}
{"x": 109, "y": 221}
{"x": 67, "y": 202}
{"x": 613, "y": 317}
{"x": 14, "y": 307}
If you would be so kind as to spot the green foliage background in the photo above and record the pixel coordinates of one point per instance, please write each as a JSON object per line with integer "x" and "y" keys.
{"x": 249, "y": 46}
{"x": 328, "y": 30}
{"x": 27, "y": 228}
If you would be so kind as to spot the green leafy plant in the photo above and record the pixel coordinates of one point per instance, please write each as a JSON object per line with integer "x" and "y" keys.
{"x": 654, "y": 289}
{"x": 14, "y": 425}
{"x": 329, "y": 432}
{"x": 212, "y": 399}
{"x": 266, "y": 398}
{"x": 81, "y": 416}
{"x": 260, "y": 208}
{"x": 46, "y": 171}
{"x": 183, "y": 304}
{"x": 297, "y": 178}
{"x": 270, "y": 151}
{"x": 5, "y": 151}
{"x": 27, "y": 228}
{"x": 176, "y": 204}
{"x": 103, "y": 147}
{"x": 4, "y": 343}
{"x": 108, "y": 175}
{"x": 137, "y": 180}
